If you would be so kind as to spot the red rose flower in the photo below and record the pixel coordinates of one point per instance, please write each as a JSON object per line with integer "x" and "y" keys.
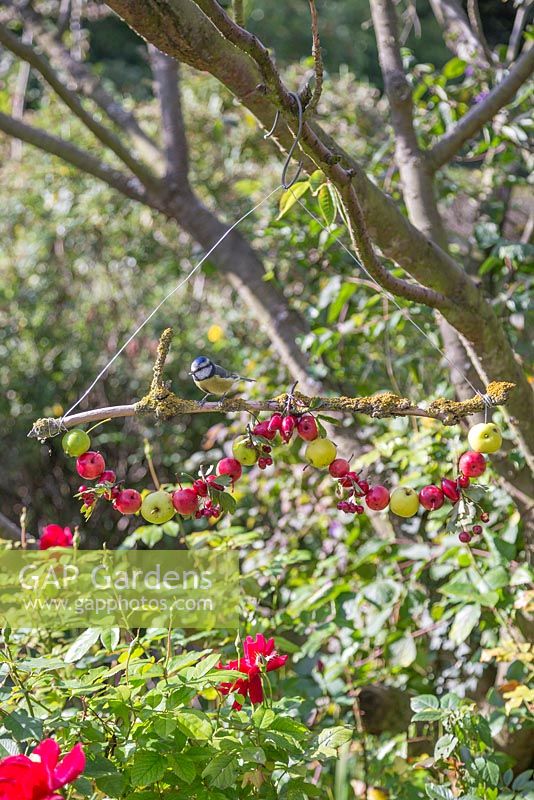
{"x": 38, "y": 776}
{"x": 55, "y": 536}
{"x": 260, "y": 656}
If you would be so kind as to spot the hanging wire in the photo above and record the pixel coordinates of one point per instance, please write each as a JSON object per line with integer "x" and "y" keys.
{"x": 293, "y": 147}
{"x": 404, "y": 311}
{"x": 167, "y": 296}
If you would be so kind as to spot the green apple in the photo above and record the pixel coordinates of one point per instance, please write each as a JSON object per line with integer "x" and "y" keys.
{"x": 157, "y": 507}
{"x": 76, "y": 442}
{"x": 404, "y": 501}
{"x": 485, "y": 437}
{"x": 244, "y": 451}
{"x": 320, "y": 453}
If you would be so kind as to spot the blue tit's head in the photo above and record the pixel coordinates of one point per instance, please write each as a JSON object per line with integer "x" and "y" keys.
{"x": 200, "y": 364}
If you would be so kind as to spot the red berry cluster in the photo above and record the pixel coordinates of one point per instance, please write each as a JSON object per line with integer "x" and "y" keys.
{"x": 466, "y": 536}
{"x": 286, "y": 424}
{"x": 92, "y": 466}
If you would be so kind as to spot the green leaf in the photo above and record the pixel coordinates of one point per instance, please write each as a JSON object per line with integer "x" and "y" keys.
{"x": 344, "y": 295}
{"x": 222, "y": 770}
{"x": 440, "y": 792}
{"x": 263, "y": 717}
{"x": 148, "y": 767}
{"x": 185, "y": 768}
{"x": 227, "y": 502}
{"x": 8, "y": 748}
{"x": 403, "y": 652}
{"x": 317, "y": 179}
{"x": 454, "y": 68}
{"x": 22, "y": 726}
{"x": 445, "y": 745}
{"x": 82, "y": 644}
{"x": 327, "y": 203}
{"x": 330, "y": 739}
{"x": 290, "y": 197}
{"x": 110, "y": 638}
{"x": 488, "y": 770}
{"x": 464, "y": 622}
{"x": 194, "y": 724}
{"x": 426, "y": 708}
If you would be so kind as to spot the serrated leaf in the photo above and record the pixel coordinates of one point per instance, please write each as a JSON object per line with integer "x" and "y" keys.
{"x": 227, "y": 502}
{"x": 290, "y": 197}
{"x": 194, "y": 724}
{"x": 221, "y": 771}
{"x": 327, "y": 203}
{"x": 148, "y": 767}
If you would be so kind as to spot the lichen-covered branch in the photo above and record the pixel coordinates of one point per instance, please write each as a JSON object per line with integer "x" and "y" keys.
{"x": 165, "y": 404}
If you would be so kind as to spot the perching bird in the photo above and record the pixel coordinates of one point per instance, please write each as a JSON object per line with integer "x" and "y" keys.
{"x": 212, "y": 378}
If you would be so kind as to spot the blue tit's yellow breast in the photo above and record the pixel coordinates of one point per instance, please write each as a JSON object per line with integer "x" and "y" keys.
{"x": 215, "y": 384}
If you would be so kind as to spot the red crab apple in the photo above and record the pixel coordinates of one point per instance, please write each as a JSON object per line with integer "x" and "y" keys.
{"x": 288, "y": 426}
{"x": 377, "y": 498}
{"x": 185, "y": 501}
{"x": 450, "y": 490}
{"x": 128, "y": 501}
{"x": 90, "y": 465}
{"x": 275, "y": 423}
{"x": 472, "y": 464}
{"x": 339, "y": 468}
{"x": 307, "y": 428}
{"x": 431, "y": 497}
{"x": 108, "y": 476}
{"x": 464, "y": 537}
{"x": 230, "y": 467}
{"x": 262, "y": 429}
{"x": 463, "y": 481}
{"x": 201, "y": 487}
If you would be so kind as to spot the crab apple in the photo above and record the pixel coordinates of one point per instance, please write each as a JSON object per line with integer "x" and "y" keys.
{"x": 288, "y": 426}
{"x": 450, "y": 490}
{"x": 307, "y": 428}
{"x": 76, "y": 442}
{"x": 472, "y": 464}
{"x": 244, "y": 451}
{"x": 431, "y": 497}
{"x": 364, "y": 486}
{"x": 477, "y": 530}
{"x": 185, "y": 501}
{"x": 90, "y": 465}
{"x": 262, "y": 429}
{"x": 320, "y": 453}
{"x": 108, "y": 476}
{"x": 377, "y": 498}
{"x": 128, "y": 501}
{"x": 484, "y": 517}
{"x": 404, "y": 501}
{"x": 231, "y": 467}
{"x": 463, "y": 481}
{"x": 464, "y": 536}
{"x": 339, "y": 468}
{"x": 485, "y": 437}
{"x": 200, "y": 487}
{"x": 359, "y": 509}
{"x": 157, "y": 507}
{"x": 212, "y": 480}
{"x": 275, "y": 423}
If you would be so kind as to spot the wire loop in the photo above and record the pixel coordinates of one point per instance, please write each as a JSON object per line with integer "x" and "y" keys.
{"x": 284, "y": 181}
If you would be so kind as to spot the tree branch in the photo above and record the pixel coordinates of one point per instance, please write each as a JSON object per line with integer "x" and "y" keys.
{"x": 165, "y": 71}
{"x": 8, "y": 529}
{"x": 458, "y": 34}
{"x": 73, "y": 155}
{"x": 521, "y": 17}
{"x": 473, "y": 13}
{"x": 27, "y": 53}
{"x": 475, "y": 119}
{"x": 317, "y": 60}
{"x": 83, "y": 81}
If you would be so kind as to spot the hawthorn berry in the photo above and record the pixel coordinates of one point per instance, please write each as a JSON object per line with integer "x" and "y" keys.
{"x": 275, "y": 423}
{"x": 377, "y": 498}
{"x": 185, "y": 501}
{"x": 359, "y": 509}
{"x": 484, "y": 516}
{"x": 307, "y": 428}
{"x": 90, "y": 465}
{"x": 364, "y": 486}
{"x": 76, "y": 442}
{"x": 465, "y": 537}
{"x": 472, "y": 464}
{"x": 339, "y": 468}
{"x": 349, "y": 479}
{"x": 108, "y": 476}
{"x": 463, "y": 481}
{"x": 431, "y": 497}
{"x": 230, "y": 467}
{"x": 128, "y": 501}
{"x": 262, "y": 429}
{"x": 477, "y": 530}
{"x": 200, "y": 487}
{"x": 288, "y": 426}
{"x": 450, "y": 490}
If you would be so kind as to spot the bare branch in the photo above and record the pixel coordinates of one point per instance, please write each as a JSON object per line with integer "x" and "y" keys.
{"x": 476, "y": 23}
{"x": 475, "y": 119}
{"x": 317, "y": 60}
{"x": 84, "y": 82}
{"x": 458, "y": 34}
{"x": 74, "y": 155}
{"x": 106, "y": 136}
{"x": 521, "y": 17}
{"x": 19, "y": 95}
{"x": 165, "y": 71}
{"x": 8, "y": 529}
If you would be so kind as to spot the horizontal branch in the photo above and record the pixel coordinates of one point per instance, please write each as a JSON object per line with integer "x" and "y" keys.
{"x": 472, "y": 122}
{"x": 164, "y": 404}
{"x": 9, "y": 530}
{"x": 81, "y": 159}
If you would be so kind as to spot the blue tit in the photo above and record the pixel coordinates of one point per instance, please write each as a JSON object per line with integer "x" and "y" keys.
{"x": 212, "y": 378}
